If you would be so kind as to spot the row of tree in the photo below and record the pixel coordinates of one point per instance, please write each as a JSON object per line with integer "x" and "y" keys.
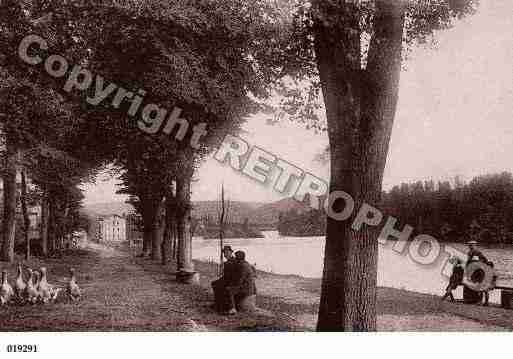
{"x": 204, "y": 58}
{"x": 480, "y": 209}
{"x": 43, "y": 161}
{"x": 305, "y": 224}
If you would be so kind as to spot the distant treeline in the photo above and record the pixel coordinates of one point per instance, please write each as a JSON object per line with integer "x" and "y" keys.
{"x": 481, "y": 209}
{"x": 209, "y": 229}
{"x": 301, "y": 224}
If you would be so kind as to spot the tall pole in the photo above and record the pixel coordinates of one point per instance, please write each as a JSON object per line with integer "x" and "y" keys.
{"x": 221, "y": 232}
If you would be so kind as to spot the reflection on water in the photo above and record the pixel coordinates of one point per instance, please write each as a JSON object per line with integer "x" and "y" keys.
{"x": 304, "y": 256}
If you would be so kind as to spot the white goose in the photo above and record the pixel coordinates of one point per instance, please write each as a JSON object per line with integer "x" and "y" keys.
{"x": 47, "y": 291}
{"x": 32, "y": 284}
{"x": 73, "y": 290}
{"x": 6, "y": 291}
{"x": 20, "y": 286}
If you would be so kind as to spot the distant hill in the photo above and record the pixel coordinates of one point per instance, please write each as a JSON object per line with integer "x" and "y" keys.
{"x": 238, "y": 211}
{"x": 107, "y": 208}
{"x": 269, "y": 213}
{"x": 259, "y": 214}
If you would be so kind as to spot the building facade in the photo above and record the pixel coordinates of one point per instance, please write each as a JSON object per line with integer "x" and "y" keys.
{"x": 111, "y": 229}
{"x": 35, "y": 222}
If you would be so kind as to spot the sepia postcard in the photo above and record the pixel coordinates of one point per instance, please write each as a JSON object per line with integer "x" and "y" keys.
{"x": 271, "y": 166}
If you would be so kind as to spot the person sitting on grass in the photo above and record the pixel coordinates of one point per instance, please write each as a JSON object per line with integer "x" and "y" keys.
{"x": 455, "y": 280}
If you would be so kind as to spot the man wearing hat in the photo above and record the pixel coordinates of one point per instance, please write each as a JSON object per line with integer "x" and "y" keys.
{"x": 243, "y": 285}
{"x": 219, "y": 286}
{"x": 474, "y": 254}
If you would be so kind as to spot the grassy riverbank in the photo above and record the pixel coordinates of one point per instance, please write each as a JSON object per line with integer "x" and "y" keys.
{"x": 398, "y": 310}
{"x": 125, "y": 293}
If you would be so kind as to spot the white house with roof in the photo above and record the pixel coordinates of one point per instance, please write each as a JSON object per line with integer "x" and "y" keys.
{"x": 111, "y": 228}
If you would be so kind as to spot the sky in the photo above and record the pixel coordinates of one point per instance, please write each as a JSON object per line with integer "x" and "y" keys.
{"x": 454, "y": 117}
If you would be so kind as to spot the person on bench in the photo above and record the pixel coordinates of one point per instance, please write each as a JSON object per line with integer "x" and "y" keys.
{"x": 492, "y": 286}
{"x": 243, "y": 284}
{"x": 474, "y": 254}
{"x": 478, "y": 276}
{"x": 219, "y": 286}
{"x": 455, "y": 280}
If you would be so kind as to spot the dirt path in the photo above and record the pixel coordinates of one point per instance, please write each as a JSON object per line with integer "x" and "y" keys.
{"x": 118, "y": 294}
{"x": 131, "y": 296}
{"x": 124, "y": 293}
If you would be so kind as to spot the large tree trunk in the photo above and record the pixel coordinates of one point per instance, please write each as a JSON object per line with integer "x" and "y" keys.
{"x": 147, "y": 235}
{"x": 150, "y": 211}
{"x": 167, "y": 244}
{"x": 360, "y": 107}
{"x": 183, "y": 223}
{"x": 174, "y": 247}
{"x": 26, "y": 219}
{"x": 158, "y": 233}
{"x": 10, "y": 200}
{"x": 65, "y": 237}
{"x": 52, "y": 224}
{"x": 44, "y": 224}
{"x": 59, "y": 218}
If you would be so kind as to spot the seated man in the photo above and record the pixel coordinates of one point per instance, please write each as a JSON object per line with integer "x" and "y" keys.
{"x": 222, "y": 299}
{"x": 243, "y": 284}
{"x": 474, "y": 254}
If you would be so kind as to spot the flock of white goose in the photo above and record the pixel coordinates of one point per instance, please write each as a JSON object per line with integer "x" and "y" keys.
{"x": 36, "y": 289}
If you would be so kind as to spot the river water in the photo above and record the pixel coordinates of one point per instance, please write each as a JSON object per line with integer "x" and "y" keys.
{"x": 303, "y": 256}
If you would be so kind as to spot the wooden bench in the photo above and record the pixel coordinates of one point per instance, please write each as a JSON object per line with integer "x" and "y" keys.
{"x": 474, "y": 297}
{"x": 506, "y": 296}
{"x": 471, "y": 296}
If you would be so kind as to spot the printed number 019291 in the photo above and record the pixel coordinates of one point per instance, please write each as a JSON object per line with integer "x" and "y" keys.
{"x": 12, "y": 348}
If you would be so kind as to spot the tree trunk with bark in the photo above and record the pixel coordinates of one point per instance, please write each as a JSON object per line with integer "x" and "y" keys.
{"x": 174, "y": 249}
{"x": 26, "y": 219}
{"x": 157, "y": 237}
{"x": 167, "y": 243}
{"x": 149, "y": 213}
{"x": 44, "y": 224}
{"x": 10, "y": 199}
{"x": 183, "y": 223}
{"x": 52, "y": 224}
{"x": 146, "y": 249}
{"x": 59, "y": 219}
{"x": 360, "y": 108}
{"x": 65, "y": 235}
